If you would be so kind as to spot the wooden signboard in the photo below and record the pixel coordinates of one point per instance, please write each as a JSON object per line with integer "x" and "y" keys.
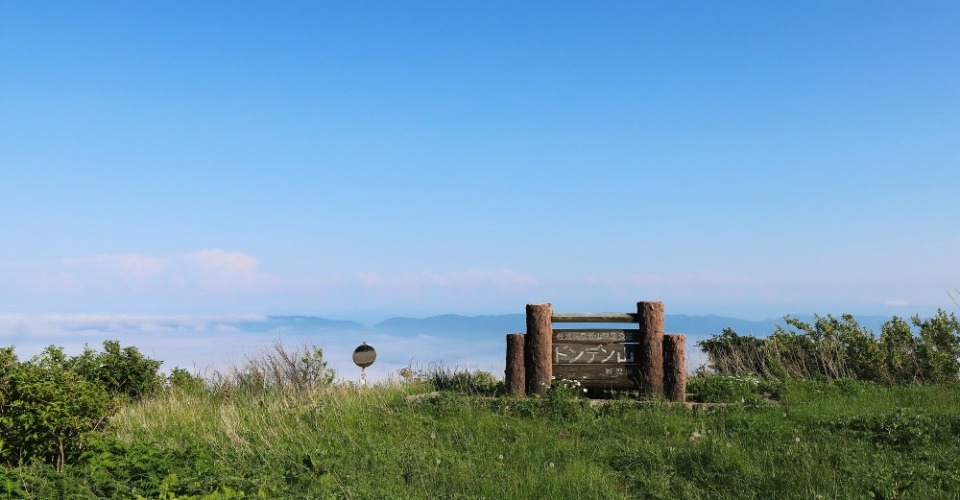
{"x": 642, "y": 359}
{"x": 599, "y": 359}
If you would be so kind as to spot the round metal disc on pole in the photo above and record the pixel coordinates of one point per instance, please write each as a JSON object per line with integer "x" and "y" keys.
{"x": 364, "y": 355}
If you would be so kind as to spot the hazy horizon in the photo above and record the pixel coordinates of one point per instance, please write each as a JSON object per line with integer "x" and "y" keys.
{"x": 202, "y": 343}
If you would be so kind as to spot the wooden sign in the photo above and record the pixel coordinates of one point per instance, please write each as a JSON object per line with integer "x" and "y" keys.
{"x": 601, "y": 358}
{"x": 643, "y": 359}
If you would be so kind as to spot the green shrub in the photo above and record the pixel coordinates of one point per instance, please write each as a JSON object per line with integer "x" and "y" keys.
{"x": 938, "y": 347}
{"x": 836, "y": 348}
{"x": 182, "y": 379}
{"x": 51, "y": 404}
{"x": 733, "y": 354}
{"x": 121, "y": 371}
{"x": 900, "y": 352}
{"x": 470, "y": 382}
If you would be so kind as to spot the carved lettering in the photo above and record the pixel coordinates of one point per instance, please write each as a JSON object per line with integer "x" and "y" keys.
{"x": 598, "y": 354}
{"x": 595, "y": 335}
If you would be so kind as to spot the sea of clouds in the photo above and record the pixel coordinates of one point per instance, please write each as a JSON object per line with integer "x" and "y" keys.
{"x": 203, "y": 343}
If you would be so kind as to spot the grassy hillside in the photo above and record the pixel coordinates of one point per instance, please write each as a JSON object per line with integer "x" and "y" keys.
{"x": 839, "y": 439}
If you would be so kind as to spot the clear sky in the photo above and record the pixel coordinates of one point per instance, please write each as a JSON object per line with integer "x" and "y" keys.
{"x": 367, "y": 159}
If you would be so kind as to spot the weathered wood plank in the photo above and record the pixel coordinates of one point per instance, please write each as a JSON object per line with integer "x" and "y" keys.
{"x": 594, "y": 318}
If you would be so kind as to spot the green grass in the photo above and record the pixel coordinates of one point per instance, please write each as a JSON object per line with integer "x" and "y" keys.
{"x": 839, "y": 439}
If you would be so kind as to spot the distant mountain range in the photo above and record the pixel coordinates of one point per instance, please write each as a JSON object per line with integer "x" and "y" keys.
{"x": 297, "y": 324}
{"x": 486, "y": 326}
{"x": 699, "y": 326}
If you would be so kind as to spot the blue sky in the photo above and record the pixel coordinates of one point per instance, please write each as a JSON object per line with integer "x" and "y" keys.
{"x": 368, "y": 159}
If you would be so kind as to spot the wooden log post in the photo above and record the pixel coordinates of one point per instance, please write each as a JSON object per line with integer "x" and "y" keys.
{"x": 650, "y": 318}
{"x": 538, "y": 348}
{"x": 514, "y": 375}
{"x": 674, "y": 368}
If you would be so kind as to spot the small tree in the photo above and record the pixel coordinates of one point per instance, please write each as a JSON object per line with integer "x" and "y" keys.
{"x": 51, "y": 404}
{"x": 47, "y": 410}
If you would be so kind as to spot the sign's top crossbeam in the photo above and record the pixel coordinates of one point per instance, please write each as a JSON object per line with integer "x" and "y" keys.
{"x": 594, "y": 318}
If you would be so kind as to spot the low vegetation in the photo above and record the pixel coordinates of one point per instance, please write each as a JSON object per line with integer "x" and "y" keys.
{"x": 923, "y": 350}
{"x": 280, "y": 426}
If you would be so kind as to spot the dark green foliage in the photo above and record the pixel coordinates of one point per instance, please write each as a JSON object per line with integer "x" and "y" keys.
{"x": 181, "y": 379}
{"x": 109, "y": 468}
{"x": 840, "y": 348}
{"x": 51, "y": 405}
{"x": 938, "y": 347}
{"x": 732, "y": 389}
{"x": 122, "y": 371}
{"x": 899, "y": 346}
{"x": 47, "y": 409}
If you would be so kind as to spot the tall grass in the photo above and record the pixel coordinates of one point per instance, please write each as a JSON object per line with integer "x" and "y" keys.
{"x": 831, "y": 439}
{"x": 279, "y": 368}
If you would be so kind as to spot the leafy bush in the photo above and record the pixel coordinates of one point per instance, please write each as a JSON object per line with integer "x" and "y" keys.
{"x": 123, "y": 372}
{"x": 840, "y": 348}
{"x": 182, "y": 379}
{"x": 47, "y": 409}
{"x": 938, "y": 347}
{"x": 733, "y": 354}
{"x": 51, "y": 404}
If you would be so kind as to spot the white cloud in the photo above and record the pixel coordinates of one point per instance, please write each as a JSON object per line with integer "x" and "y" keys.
{"x": 897, "y": 303}
{"x": 59, "y": 325}
{"x": 220, "y": 270}
{"x": 466, "y": 279}
{"x": 209, "y": 270}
